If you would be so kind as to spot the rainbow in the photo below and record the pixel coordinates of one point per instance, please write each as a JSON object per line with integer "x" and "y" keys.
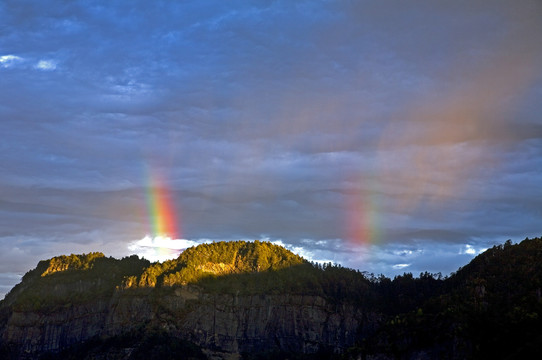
{"x": 161, "y": 210}
{"x": 363, "y": 226}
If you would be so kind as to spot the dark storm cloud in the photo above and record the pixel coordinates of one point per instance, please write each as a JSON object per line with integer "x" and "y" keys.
{"x": 386, "y": 136}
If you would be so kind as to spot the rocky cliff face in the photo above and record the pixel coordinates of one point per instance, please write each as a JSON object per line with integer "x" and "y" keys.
{"x": 250, "y": 323}
{"x": 68, "y": 301}
{"x": 255, "y": 300}
{"x": 224, "y": 326}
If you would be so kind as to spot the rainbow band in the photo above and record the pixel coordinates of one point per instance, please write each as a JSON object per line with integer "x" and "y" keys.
{"x": 363, "y": 225}
{"x": 162, "y": 215}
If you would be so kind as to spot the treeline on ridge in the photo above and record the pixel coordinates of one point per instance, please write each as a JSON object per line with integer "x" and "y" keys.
{"x": 237, "y": 267}
{"x": 495, "y": 301}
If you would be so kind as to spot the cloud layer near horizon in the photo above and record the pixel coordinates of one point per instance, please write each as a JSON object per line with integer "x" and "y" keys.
{"x": 384, "y": 136}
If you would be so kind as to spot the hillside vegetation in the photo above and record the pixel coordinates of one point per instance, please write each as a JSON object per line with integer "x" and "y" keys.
{"x": 491, "y": 308}
{"x": 65, "y": 279}
{"x": 216, "y": 259}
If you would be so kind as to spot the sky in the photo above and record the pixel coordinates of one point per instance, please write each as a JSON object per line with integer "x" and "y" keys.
{"x": 385, "y": 136}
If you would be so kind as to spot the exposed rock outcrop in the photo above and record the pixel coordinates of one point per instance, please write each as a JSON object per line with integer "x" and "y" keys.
{"x": 257, "y": 300}
{"x": 59, "y": 305}
{"x": 223, "y": 325}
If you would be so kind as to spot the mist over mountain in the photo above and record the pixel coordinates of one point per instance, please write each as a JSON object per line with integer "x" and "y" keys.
{"x": 253, "y": 300}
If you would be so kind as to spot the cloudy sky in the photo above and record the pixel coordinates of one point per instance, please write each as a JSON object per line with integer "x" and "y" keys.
{"x": 386, "y": 136}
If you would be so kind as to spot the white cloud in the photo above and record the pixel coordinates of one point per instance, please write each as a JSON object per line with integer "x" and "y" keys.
{"x": 400, "y": 266}
{"x": 403, "y": 252}
{"x": 304, "y": 252}
{"x": 161, "y": 248}
{"x": 45, "y": 65}
{"x": 470, "y": 250}
{"x": 7, "y": 61}
{"x": 11, "y": 61}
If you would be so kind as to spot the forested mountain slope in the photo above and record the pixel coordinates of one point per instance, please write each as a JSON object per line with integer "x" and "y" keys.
{"x": 258, "y": 300}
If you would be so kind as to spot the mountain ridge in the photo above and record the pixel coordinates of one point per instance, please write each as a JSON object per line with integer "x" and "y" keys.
{"x": 245, "y": 299}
